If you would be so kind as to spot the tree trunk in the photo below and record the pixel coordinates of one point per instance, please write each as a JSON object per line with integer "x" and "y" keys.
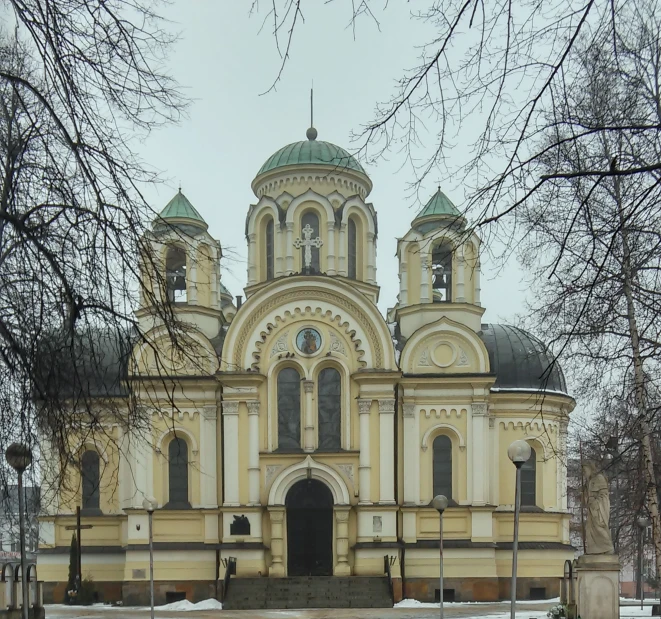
{"x": 639, "y": 386}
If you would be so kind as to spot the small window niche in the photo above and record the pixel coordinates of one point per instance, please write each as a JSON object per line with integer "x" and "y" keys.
{"x": 175, "y": 269}
{"x": 441, "y": 269}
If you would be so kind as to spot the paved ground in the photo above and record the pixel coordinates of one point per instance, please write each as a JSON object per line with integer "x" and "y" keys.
{"x": 495, "y": 611}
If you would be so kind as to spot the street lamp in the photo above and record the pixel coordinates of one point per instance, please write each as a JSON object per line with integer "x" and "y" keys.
{"x": 440, "y": 504}
{"x": 519, "y": 453}
{"x": 149, "y": 505}
{"x": 19, "y": 457}
{"x": 642, "y": 523}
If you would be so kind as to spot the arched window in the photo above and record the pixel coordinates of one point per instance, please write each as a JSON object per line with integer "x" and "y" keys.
{"x": 529, "y": 480}
{"x": 289, "y": 409}
{"x": 310, "y": 251}
{"x": 178, "y": 474}
{"x": 352, "y": 257}
{"x": 329, "y": 399}
{"x": 442, "y": 448}
{"x": 175, "y": 274}
{"x": 91, "y": 478}
{"x": 269, "y": 248}
{"x": 441, "y": 268}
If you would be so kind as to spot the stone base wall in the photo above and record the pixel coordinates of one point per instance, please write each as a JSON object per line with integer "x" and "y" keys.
{"x": 136, "y": 593}
{"x": 481, "y": 589}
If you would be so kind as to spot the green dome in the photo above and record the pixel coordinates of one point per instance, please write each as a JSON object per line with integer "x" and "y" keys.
{"x": 180, "y": 208}
{"x": 312, "y": 152}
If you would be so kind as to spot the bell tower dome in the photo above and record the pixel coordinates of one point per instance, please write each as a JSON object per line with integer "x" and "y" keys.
{"x": 439, "y": 268}
{"x": 181, "y": 266}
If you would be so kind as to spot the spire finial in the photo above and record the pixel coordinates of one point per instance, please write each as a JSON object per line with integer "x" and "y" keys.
{"x": 311, "y": 133}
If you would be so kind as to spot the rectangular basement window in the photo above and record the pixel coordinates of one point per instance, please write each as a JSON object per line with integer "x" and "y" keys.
{"x": 448, "y": 595}
{"x": 538, "y": 593}
{"x": 174, "y": 596}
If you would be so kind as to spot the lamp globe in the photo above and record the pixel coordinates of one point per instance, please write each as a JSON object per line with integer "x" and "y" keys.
{"x": 519, "y": 452}
{"x": 149, "y": 504}
{"x": 18, "y": 456}
{"x": 439, "y": 503}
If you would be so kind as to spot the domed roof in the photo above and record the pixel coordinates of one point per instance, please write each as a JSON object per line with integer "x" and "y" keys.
{"x": 181, "y": 208}
{"x": 520, "y": 361}
{"x": 311, "y": 152}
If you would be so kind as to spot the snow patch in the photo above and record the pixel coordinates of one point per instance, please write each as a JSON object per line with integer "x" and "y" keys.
{"x": 185, "y": 605}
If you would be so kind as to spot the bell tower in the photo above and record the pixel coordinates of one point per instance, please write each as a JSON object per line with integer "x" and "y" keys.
{"x": 439, "y": 269}
{"x": 181, "y": 267}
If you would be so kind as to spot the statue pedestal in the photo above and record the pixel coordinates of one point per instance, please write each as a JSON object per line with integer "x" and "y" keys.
{"x": 597, "y": 586}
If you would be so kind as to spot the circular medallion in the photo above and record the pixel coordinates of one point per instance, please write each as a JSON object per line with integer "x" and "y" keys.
{"x": 444, "y": 355}
{"x": 308, "y": 341}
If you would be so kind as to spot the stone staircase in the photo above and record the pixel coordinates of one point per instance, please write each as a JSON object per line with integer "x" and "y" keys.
{"x": 308, "y": 592}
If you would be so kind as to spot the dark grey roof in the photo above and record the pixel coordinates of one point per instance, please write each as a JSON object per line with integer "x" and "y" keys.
{"x": 521, "y": 361}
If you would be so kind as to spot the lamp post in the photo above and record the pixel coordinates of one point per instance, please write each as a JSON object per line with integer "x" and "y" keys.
{"x": 149, "y": 505}
{"x": 440, "y": 504}
{"x": 642, "y": 523}
{"x": 19, "y": 457}
{"x": 519, "y": 453}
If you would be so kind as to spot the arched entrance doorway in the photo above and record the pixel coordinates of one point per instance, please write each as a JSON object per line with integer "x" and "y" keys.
{"x": 309, "y": 505}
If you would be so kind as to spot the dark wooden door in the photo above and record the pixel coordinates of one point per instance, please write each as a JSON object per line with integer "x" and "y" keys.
{"x": 309, "y": 506}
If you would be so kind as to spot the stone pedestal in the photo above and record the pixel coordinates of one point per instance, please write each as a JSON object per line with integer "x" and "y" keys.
{"x": 597, "y": 586}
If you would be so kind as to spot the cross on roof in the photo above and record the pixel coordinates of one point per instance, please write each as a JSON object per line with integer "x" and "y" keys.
{"x": 308, "y": 243}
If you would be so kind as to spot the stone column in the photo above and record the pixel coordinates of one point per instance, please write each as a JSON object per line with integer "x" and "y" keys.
{"x": 411, "y": 455}
{"x": 192, "y": 259}
{"x": 342, "y": 262}
{"x": 342, "y": 540}
{"x": 253, "y": 452}
{"x": 371, "y": 259}
{"x": 208, "y": 491}
{"x": 364, "y": 467}
{"x": 279, "y": 249}
{"x": 387, "y": 451}
{"x": 461, "y": 295}
{"x": 330, "y": 256}
{"x": 403, "y": 284}
{"x": 231, "y": 452}
{"x": 277, "y": 515}
{"x": 479, "y": 452}
{"x": 289, "y": 249}
{"x": 476, "y": 279}
{"x": 308, "y": 388}
{"x": 425, "y": 280}
{"x": 252, "y": 258}
{"x": 561, "y": 470}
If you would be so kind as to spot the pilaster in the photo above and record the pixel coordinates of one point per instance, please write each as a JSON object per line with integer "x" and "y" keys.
{"x": 364, "y": 464}
{"x": 289, "y": 249}
{"x": 208, "y": 465}
{"x": 425, "y": 280}
{"x": 253, "y": 452}
{"x": 479, "y": 446}
{"x": 330, "y": 256}
{"x": 461, "y": 262}
{"x": 342, "y": 567}
{"x": 252, "y": 259}
{"x": 344, "y": 250}
{"x": 277, "y": 516}
{"x": 308, "y": 389}
{"x": 231, "y": 452}
{"x": 411, "y": 454}
{"x": 387, "y": 450}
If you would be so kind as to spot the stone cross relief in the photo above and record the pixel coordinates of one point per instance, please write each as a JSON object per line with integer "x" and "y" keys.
{"x": 308, "y": 243}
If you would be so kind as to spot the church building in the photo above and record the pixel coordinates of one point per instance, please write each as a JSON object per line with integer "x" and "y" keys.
{"x": 300, "y": 431}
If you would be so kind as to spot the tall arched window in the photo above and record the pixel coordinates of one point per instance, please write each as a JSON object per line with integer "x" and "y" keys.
{"x": 529, "y": 480}
{"x": 310, "y": 251}
{"x": 91, "y": 479}
{"x": 270, "y": 252}
{"x": 178, "y": 474}
{"x": 329, "y": 398}
{"x": 175, "y": 274}
{"x": 442, "y": 448}
{"x": 352, "y": 257}
{"x": 289, "y": 409}
{"x": 441, "y": 268}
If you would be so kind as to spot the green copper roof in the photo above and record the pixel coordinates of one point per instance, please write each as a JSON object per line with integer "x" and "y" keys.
{"x": 180, "y": 208}
{"x": 311, "y": 151}
{"x": 439, "y": 205}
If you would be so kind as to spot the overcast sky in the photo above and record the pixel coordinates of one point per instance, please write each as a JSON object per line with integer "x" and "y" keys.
{"x": 225, "y": 64}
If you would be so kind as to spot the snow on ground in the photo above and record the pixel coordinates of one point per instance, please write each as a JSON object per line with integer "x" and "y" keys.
{"x": 185, "y": 605}
{"x": 409, "y": 603}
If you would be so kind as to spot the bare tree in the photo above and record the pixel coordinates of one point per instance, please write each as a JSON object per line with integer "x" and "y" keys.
{"x": 81, "y": 83}
{"x": 495, "y": 65}
{"x": 593, "y": 244}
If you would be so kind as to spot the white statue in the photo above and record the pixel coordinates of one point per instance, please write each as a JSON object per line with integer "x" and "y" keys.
{"x": 597, "y": 533}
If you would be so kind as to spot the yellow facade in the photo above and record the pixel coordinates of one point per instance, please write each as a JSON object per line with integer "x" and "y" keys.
{"x": 306, "y": 392}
